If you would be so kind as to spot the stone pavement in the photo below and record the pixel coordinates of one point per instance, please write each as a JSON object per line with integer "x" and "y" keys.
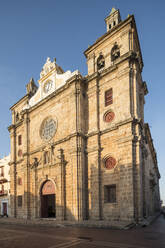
{"x": 55, "y": 223}
{"x": 28, "y": 236}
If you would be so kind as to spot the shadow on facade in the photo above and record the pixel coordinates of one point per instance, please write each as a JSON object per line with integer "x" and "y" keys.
{"x": 136, "y": 196}
{"x": 29, "y": 206}
{"x": 133, "y": 200}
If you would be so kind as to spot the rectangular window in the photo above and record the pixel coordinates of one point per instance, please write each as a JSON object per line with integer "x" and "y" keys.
{"x": 110, "y": 193}
{"x": 20, "y": 140}
{"x": 19, "y": 200}
{"x": 108, "y": 97}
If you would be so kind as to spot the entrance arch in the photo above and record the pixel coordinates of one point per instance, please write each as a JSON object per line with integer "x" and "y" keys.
{"x": 48, "y": 200}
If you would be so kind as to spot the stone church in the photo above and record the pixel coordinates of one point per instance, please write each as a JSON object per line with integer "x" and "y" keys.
{"x": 80, "y": 149}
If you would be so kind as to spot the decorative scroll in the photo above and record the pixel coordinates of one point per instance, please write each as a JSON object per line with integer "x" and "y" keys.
{"x": 48, "y": 66}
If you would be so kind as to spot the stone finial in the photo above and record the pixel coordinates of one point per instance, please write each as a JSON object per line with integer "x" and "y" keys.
{"x": 31, "y": 87}
{"x": 112, "y": 11}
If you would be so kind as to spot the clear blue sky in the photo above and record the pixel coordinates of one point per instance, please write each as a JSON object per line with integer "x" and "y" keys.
{"x": 30, "y": 31}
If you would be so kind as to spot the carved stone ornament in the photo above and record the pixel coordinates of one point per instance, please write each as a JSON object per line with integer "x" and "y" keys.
{"x": 109, "y": 116}
{"x": 110, "y": 163}
{"x": 100, "y": 62}
{"x": 48, "y": 86}
{"x": 48, "y": 188}
{"x": 115, "y": 52}
{"x": 48, "y": 66}
{"x": 31, "y": 88}
{"x": 48, "y": 129}
{"x": 35, "y": 163}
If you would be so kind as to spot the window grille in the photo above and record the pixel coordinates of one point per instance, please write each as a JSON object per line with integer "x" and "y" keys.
{"x": 108, "y": 97}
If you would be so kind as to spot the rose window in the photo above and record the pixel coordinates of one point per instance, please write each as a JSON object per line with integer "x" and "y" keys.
{"x": 48, "y": 129}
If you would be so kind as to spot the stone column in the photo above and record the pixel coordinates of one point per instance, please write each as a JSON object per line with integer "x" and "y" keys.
{"x": 13, "y": 172}
{"x": 61, "y": 201}
{"x": 27, "y": 193}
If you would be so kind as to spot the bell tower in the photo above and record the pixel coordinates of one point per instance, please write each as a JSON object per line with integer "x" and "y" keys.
{"x": 115, "y": 109}
{"x": 113, "y": 19}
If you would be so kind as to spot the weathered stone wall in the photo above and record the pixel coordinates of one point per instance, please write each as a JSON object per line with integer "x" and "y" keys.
{"x": 84, "y": 139}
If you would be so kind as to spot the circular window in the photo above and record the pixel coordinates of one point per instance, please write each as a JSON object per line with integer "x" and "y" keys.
{"x": 109, "y": 116}
{"x": 110, "y": 163}
{"x": 48, "y": 129}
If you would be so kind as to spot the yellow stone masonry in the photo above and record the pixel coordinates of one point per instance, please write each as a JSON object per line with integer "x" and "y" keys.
{"x": 91, "y": 151}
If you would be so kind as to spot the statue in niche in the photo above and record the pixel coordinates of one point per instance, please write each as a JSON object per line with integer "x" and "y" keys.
{"x": 35, "y": 163}
{"x": 115, "y": 52}
{"x": 100, "y": 62}
{"x": 53, "y": 158}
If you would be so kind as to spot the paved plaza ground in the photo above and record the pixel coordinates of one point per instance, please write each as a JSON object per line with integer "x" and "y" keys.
{"x": 28, "y": 236}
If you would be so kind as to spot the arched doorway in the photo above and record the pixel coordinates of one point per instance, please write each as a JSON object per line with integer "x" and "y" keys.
{"x": 48, "y": 200}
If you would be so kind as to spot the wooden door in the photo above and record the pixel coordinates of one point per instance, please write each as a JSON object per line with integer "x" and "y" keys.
{"x": 4, "y": 208}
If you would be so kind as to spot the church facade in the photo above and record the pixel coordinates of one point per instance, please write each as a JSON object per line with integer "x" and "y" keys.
{"x": 80, "y": 149}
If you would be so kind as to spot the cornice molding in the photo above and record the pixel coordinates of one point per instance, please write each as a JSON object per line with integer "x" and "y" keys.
{"x": 127, "y": 56}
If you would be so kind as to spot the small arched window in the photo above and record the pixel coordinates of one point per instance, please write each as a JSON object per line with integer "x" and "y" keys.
{"x": 115, "y": 52}
{"x": 100, "y": 62}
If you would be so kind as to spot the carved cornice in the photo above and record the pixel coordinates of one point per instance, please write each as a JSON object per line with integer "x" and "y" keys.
{"x": 94, "y": 149}
{"x": 11, "y": 127}
{"x": 41, "y": 148}
{"x": 14, "y": 126}
{"x": 151, "y": 146}
{"x": 20, "y": 101}
{"x": 114, "y": 127}
{"x": 19, "y": 123}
